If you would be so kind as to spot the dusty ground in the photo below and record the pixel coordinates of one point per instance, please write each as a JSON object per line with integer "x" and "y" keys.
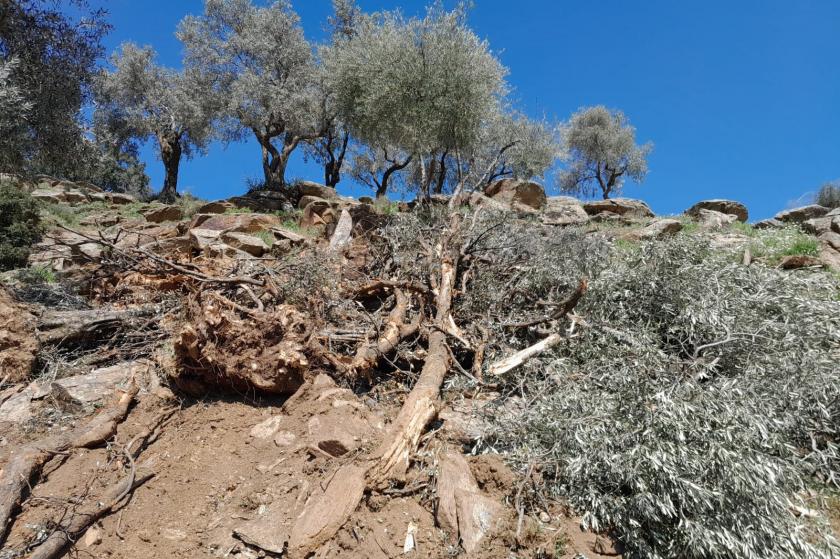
{"x": 231, "y": 477}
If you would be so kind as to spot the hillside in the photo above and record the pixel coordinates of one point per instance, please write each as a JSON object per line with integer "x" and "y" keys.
{"x": 496, "y": 375}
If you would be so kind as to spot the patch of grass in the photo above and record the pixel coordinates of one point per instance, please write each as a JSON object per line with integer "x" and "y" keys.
{"x": 60, "y": 214}
{"x": 774, "y": 244}
{"x": 38, "y": 275}
{"x": 266, "y": 236}
{"x": 236, "y": 211}
{"x": 744, "y": 228}
{"x": 804, "y": 245}
{"x": 189, "y": 204}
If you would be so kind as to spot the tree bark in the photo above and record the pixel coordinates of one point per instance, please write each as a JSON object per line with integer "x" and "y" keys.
{"x": 332, "y": 167}
{"x": 170, "y": 154}
{"x": 382, "y": 189}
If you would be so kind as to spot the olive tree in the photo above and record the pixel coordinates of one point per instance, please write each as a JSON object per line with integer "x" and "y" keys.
{"x": 263, "y": 69}
{"x": 602, "y": 152}
{"x": 418, "y": 87}
{"x": 55, "y": 56}
{"x": 14, "y": 109}
{"x": 172, "y": 106}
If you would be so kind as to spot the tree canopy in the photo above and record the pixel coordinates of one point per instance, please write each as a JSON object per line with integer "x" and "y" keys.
{"x": 602, "y": 150}
{"x": 142, "y": 99}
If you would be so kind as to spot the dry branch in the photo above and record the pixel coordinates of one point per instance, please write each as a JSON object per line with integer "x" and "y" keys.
{"x": 56, "y": 327}
{"x": 26, "y": 463}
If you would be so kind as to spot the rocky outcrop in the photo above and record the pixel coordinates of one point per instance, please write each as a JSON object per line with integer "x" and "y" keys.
{"x": 626, "y": 207}
{"x": 564, "y": 211}
{"x": 796, "y": 261}
{"x": 729, "y": 207}
{"x": 308, "y": 188}
{"x": 510, "y": 191}
{"x": 246, "y": 243}
{"x": 801, "y": 214}
{"x": 160, "y": 213}
{"x": 660, "y": 228}
{"x": 711, "y": 219}
{"x": 217, "y": 207}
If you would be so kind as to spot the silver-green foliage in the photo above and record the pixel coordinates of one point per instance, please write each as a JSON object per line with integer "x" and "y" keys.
{"x": 602, "y": 152}
{"x": 13, "y": 111}
{"x": 829, "y": 195}
{"x": 693, "y": 412}
{"x": 263, "y": 70}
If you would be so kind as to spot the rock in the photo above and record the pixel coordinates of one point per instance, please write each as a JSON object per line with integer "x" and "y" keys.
{"x": 217, "y": 207}
{"x": 835, "y": 224}
{"x": 660, "y": 228}
{"x": 771, "y": 223}
{"x": 242, "y": 223}
{"x": 622, "y": 206}
{"x": 120, "y": 198}
{"x": 74, "y": 196}
{"x": 552, "y": 201}
{"x": 18, "y": 346}
{"x": 307, "y": 199}
{"x": 479, "y": 200}
{"x": 293, "y": 238}
{"x": 478, "y": 517}
{"x": 817, "y": 225}
{"x": 89, "y": 252}
{"x": 832, "y": 239}
{"x": 563, "y": 215}
{"x": 266, "y": 429}
{"x": 92, "y": 537}
{"x": 366, "y": 200}
{"x": 508, "y": 191}
{"x": 159, "y": 214}
{"x": 341, "y": 235}
{"x": 796, "y": 261}
{"x": 309, "y": 188}
{"x": 246, "y": 243}
{"x": 201, "y": 238}
{"x": 101, "y": 220}
{"x": 89, "y": 389}
{"x": 729, "y": 207}
{"x": 610, "y": 218}
{"x": 712, "y": 219}
{"x": 264, "y": 200}
{"x": 171, "y": 245}
{"x": 804, "y": 213}
{"x": 318, "y": 212}
{"x": 48, "y": 195}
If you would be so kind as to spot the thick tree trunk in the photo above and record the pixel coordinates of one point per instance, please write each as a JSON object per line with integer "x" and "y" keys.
{"x": 332, "y": 167}
{"x": 170, "y": 154}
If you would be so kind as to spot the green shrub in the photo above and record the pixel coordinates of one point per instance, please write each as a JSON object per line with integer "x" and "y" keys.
{"x": 20, "y": 226}
{"x": 829, "y": 195}
{"x": 696, "y": 410}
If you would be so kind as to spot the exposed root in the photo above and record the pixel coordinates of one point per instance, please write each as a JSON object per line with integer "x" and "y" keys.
{"x": 26, "y": 463}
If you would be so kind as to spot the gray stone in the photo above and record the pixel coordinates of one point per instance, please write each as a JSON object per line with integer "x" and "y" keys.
{"x": 804, "y": 213}
{"x": 711, "y": 219}
{"x": 509, "y": 191}
{"x": 246, "y": 243}
{"x": 730, "y": 207}
{"x": 343, "y": 229}
{"x": 622, "y": 206}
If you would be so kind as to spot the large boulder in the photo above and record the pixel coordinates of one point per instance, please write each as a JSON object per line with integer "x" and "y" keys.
{"x": 254, "y": 246}
{"x": 817, "y": 225}
{"x": 564, "y": 214}
{"x": 242, "y": 223}
{"x": 159, "y": 214}
{"x": 622, "y": 206}
{"x": 832, "y": 239}
{"x": 711, "y": 219}
{"x": 306, "y": 199}
{"x": 120, "y": 198}
{"x": 509, "y": 191}
{"x": 48, "y": 195}
{"x": 730, "y": 207}
{"x": 802, "y": 214}
{"x": 319, "y": 212}
{"x": 265, "y": 201}
{"x": 309, "y": 188}
{"x": 217, "y": 207}
{"x": 771, "y": 223}
{"x": 660, "y": 228}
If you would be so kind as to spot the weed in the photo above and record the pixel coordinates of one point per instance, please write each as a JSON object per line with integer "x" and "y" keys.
{"x": 266, "y": 236}
{"x": 38, "y": 275}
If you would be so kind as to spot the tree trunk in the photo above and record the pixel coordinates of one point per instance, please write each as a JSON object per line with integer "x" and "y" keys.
{"x": 382, "y": 189}
{"x": 332, "y": 168}
{"x": 170, "y": 154}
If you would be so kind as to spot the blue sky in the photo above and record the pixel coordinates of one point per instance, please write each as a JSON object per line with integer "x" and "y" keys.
{"x": 741, "y": 98}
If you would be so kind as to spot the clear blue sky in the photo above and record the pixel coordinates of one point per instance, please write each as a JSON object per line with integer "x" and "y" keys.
{"x": 741, "y": 98}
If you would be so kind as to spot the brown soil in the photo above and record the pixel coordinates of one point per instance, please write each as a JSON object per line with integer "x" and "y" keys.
{"x": 18, "y": 346}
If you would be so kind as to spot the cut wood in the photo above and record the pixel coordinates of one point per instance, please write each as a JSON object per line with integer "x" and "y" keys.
{"x": 517, "y": 359}
{"x": 25, "y": 464}
{"x": 78, "y": 326}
